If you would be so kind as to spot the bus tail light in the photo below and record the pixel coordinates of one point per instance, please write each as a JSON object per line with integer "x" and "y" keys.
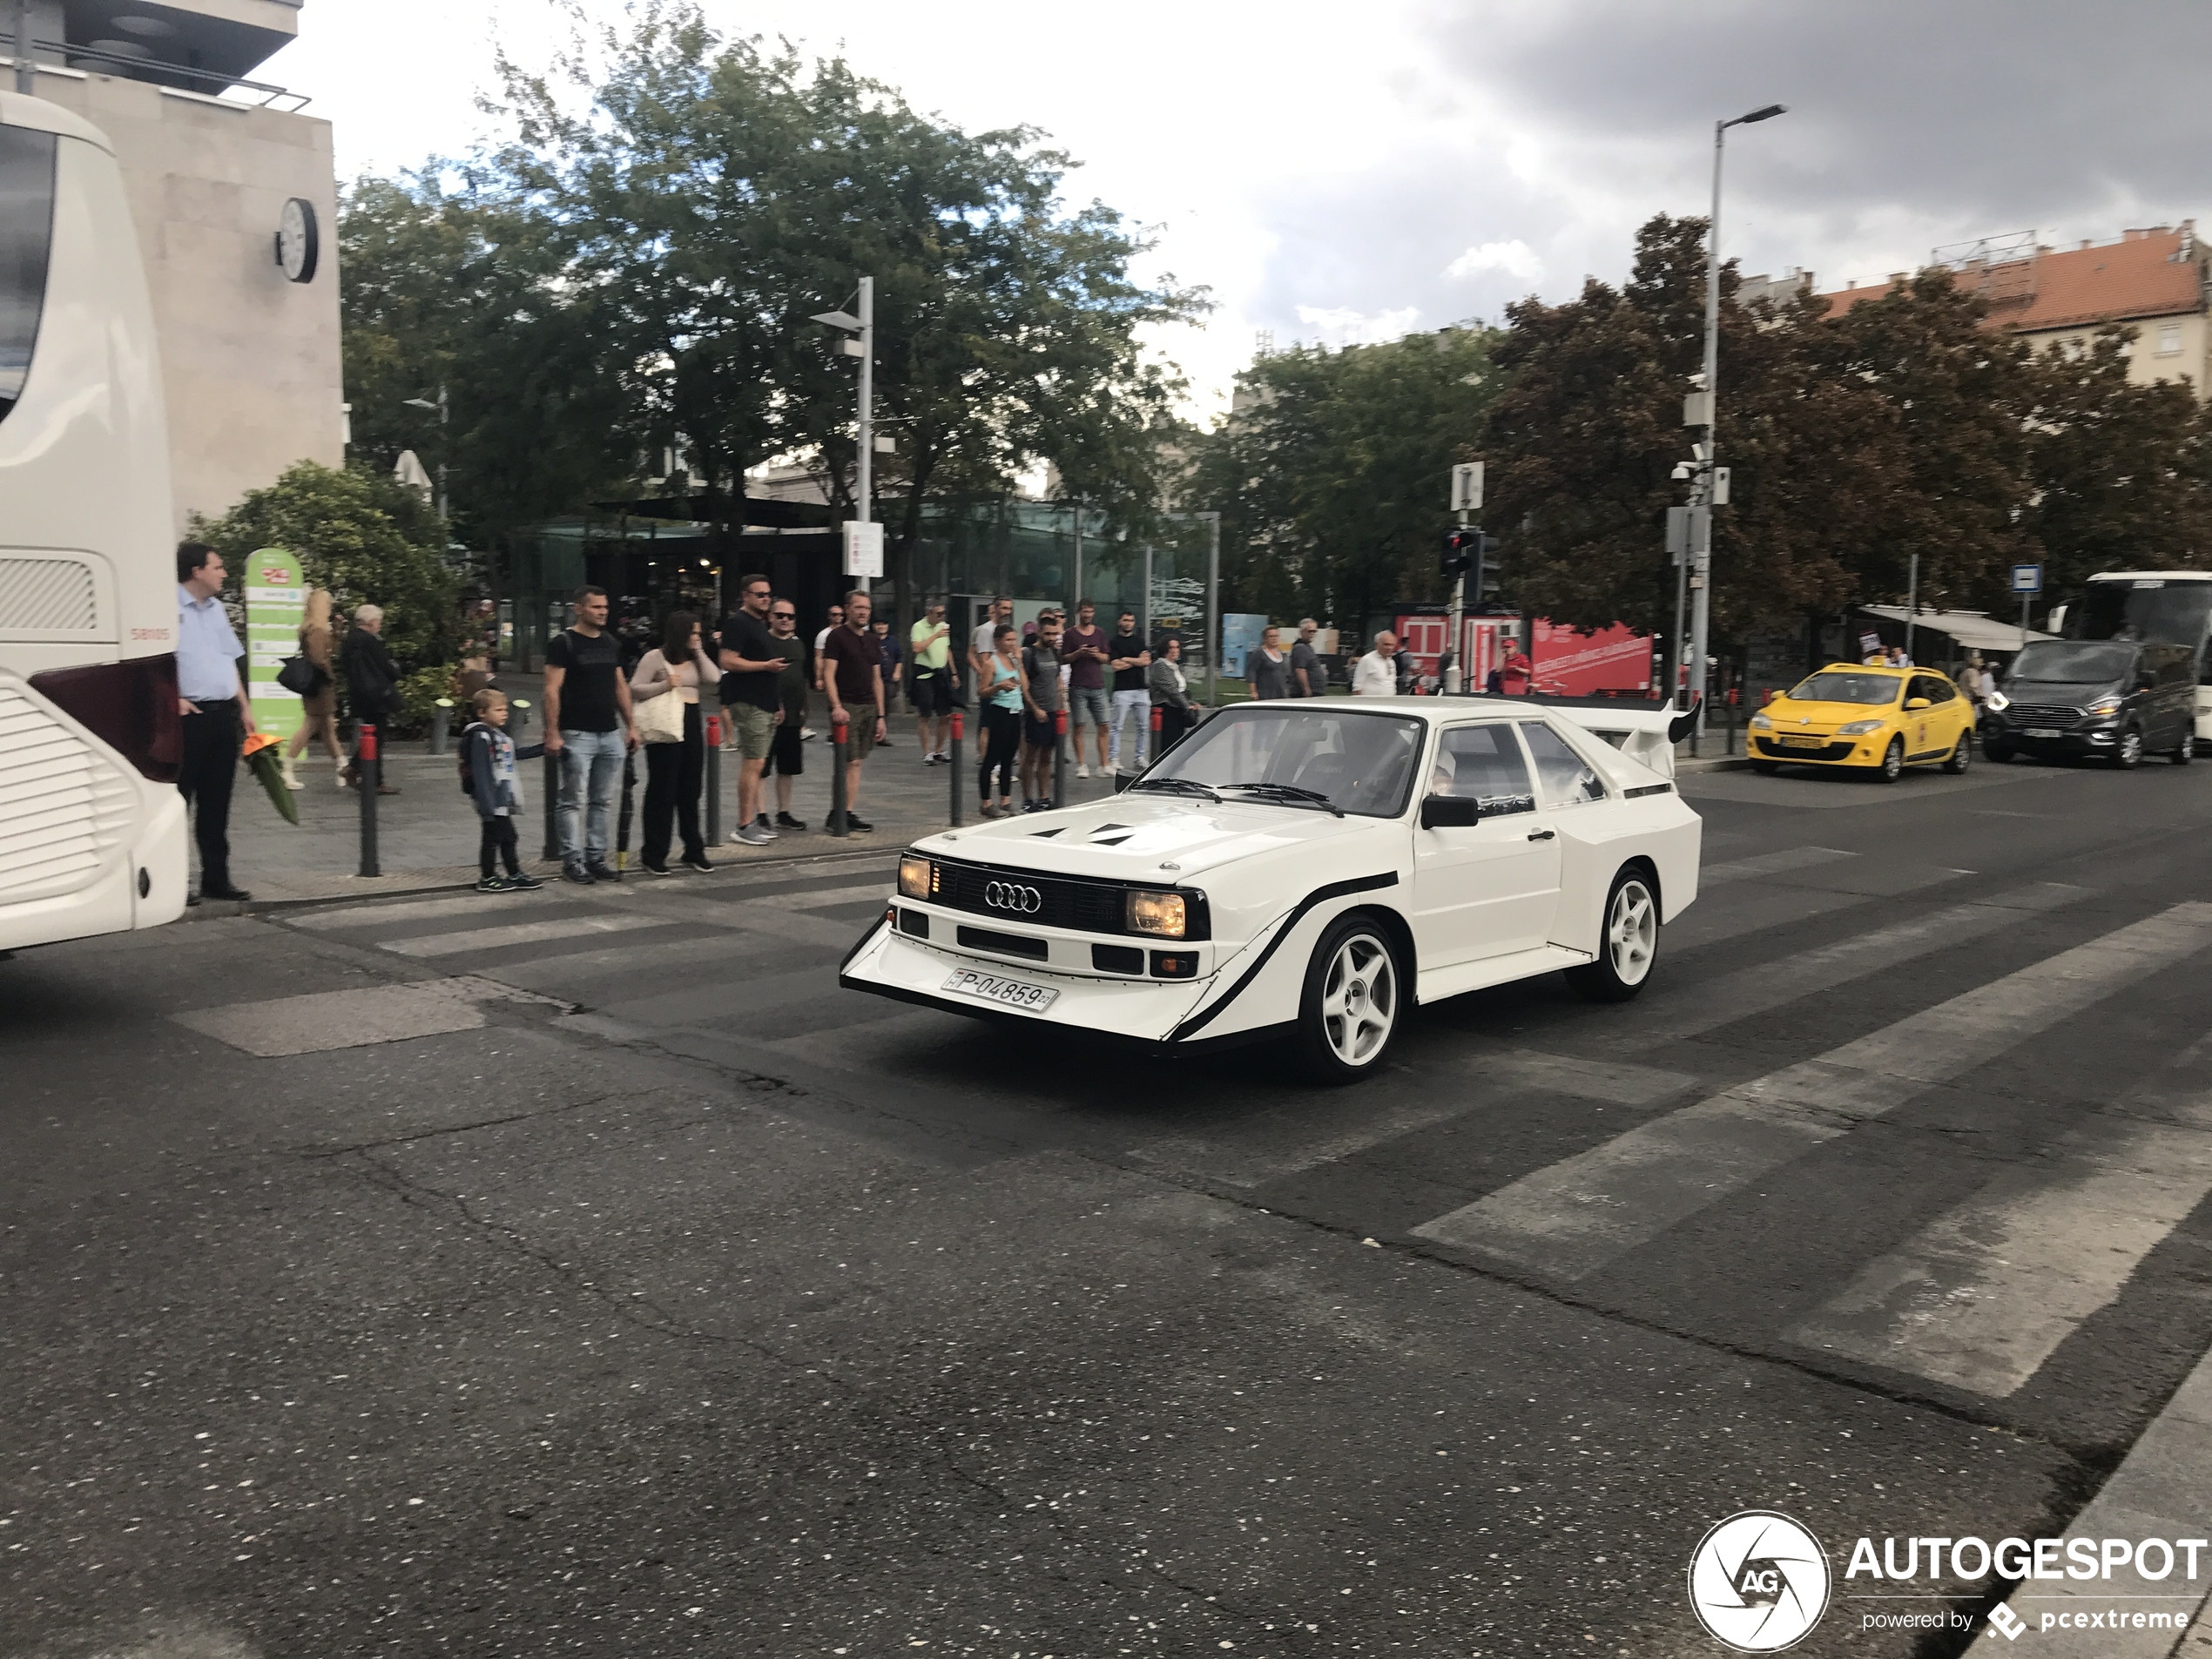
{"x": 131, "y": 706}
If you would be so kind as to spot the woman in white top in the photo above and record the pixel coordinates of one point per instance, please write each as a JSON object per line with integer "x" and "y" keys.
{"x": 673, "y": 770}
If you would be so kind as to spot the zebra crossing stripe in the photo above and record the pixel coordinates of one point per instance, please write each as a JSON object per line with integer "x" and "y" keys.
{"x": 1777, "y": 863}
{"x": 1576, "y": 1216}
{"x": 1983, "y": 1295}
{"x": 1770, "y": 985}
{"x": 1277, "y": 1144}
{"x": 521, "y": 933}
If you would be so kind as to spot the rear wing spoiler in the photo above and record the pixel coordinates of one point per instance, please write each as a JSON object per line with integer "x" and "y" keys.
{"x": 1647, "y": 736}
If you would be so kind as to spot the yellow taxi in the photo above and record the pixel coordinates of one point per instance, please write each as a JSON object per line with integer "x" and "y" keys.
{"x": 1875, "y": 719}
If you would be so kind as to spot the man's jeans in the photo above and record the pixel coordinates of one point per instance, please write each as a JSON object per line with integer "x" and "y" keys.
{"x": 595, "y": 756}
{"x": 1126, "y": 704}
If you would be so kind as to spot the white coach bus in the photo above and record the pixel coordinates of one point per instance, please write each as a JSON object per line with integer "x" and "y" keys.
{"x": 2162, "y": 607}
{"x": 92, "y": 830}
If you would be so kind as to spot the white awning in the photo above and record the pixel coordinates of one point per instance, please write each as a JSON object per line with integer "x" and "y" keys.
{"x": 1971, "y": 630}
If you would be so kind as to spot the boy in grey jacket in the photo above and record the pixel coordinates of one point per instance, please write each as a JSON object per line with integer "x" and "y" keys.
{"x": 488, "y": 773}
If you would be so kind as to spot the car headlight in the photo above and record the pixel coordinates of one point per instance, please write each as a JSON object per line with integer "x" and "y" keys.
{"x": 2104, "y": 708}
{"x": 1162, "y": 914}
{"x": 917, "y": 876}
{"x": 1759, "y": 722}
{"x": 1859, "y": 728}
{"x": 1998, "y": 701}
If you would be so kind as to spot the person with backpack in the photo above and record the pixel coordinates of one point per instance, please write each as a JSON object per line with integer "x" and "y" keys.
{"x": 490, "y": 779}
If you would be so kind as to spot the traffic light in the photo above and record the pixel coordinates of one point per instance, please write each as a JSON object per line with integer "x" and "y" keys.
{"x": 1461, "y": 549}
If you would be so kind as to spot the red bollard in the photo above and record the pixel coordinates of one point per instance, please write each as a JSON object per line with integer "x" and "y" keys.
{"x": 372, "y": 775}
{"x": 713, "y": 779}
{"x": 1060, "y": 756}
{"x": 838, "y": 732}
{"x": 959, "y": 800}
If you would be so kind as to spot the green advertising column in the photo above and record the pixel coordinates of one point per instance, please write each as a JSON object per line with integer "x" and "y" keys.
{"x": 276, "y": 600}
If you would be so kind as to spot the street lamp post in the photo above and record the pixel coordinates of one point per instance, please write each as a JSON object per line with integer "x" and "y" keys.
{"x": 860, "y": 343}
{"x": 26, "y": 70}
{"x": 1700, "y": 582}
{"x": 444, "y": 413}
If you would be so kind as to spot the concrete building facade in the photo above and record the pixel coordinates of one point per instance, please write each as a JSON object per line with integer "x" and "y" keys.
{"x": 214, "y": 163}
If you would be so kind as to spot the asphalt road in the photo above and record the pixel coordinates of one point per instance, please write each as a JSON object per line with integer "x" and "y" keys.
{"x": 626, "y": 1288}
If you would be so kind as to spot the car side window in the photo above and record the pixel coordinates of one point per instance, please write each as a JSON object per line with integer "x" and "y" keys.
{"x": 1939, "y": 690}
{"x": 1484, "y": 763}
{"x": 1565, "y": 778}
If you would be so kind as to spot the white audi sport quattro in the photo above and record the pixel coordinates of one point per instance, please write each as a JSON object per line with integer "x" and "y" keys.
{"x": 1313, "y": 868}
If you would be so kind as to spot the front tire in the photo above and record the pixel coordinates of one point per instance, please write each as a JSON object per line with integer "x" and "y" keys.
{"x": 1997, "y": 753}
{"x": 2187, "y": 749}
{"x": 1892, "y": 765}
{"x": 1355, "y": 1000}
{"x": 1627, "y": 946}
{"x": 2129, "y": 754}
{"x": 1960, "y": 758}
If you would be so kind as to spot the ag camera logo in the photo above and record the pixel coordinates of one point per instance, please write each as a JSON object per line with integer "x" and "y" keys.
{"x": 1759, "y": 1581}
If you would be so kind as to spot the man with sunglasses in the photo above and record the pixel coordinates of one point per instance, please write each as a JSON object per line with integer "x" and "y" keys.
{"x": 785, "y": 752}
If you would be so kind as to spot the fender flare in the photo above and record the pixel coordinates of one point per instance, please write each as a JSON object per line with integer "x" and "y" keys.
{"x": 1197, "y": 1020}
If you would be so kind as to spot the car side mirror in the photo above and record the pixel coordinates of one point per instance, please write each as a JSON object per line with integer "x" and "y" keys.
{"x": 1917, "y": 703}
{"x": 1450, "y": 811}
{"x": 1123, "y": 780}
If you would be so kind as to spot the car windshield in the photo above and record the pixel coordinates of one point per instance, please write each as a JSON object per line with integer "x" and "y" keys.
{"x": 1361, "y": 763}
{"x": 2074, "y": 663}
{"x": 1838, "y": 686}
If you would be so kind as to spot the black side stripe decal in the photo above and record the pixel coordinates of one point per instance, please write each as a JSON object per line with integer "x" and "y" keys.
{"x": 860, "y": 944}
{"x": 1199, "y": 1021}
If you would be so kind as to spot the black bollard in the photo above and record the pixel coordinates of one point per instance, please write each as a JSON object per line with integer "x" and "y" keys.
{"x": 372, "y": 776}
{"x": 553, "y": 807}
{"x": 714, "y": 780}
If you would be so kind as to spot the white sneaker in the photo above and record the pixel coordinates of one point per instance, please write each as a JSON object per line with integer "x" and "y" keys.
{"x": 751, "y": 836}
{"x": 1082, "y": 770}
{"x": 762, "y": 824}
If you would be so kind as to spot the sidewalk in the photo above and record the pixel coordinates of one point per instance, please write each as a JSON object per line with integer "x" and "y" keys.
{"x": 427, "y": 833}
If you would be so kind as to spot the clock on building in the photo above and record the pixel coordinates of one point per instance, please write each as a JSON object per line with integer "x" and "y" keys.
{"x": 296, "y": 240}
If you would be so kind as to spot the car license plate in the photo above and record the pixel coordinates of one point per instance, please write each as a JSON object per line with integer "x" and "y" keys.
{"x": 1804, "y": 743}
{"x": 2042, "y": 732}
{"x": 1033, "y": 999}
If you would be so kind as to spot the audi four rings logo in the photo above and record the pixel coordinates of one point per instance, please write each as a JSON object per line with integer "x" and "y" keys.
{"x": 1012, "y": 895}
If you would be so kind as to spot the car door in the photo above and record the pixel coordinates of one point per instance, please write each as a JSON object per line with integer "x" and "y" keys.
{"x": 2173, "y": 695}
{"x": 1489, "y": 888}
{"x": 1952, "y": 714}
{"x": 1925, "y": 729}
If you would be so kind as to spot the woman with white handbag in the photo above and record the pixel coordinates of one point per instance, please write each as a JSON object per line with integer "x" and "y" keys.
{"x": 665, "y": 693}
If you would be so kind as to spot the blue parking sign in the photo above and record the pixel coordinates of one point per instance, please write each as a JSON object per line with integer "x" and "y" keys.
{"x": 2028, "y": 578}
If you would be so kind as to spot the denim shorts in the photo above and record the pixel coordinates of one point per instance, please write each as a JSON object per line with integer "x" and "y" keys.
{"x": 1089, "y": 705}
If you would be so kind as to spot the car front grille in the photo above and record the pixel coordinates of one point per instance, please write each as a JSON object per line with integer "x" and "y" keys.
{"x": 1782, "y": 750}
{"x": 2059, "y": 715}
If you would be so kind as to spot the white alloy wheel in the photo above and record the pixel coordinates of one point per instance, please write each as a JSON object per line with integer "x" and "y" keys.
{"x": 1628, "y": 942}
{"x": 1632, "y": 931}
{"x": 1355, "y": 998}
{"x": 1359, "y": 999}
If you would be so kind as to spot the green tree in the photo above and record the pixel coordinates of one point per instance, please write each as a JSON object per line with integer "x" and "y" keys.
{"x": 370, "y": 541}
{"x": 1585, "y": 443}
{"x": 440, "y": 290}
{"x": 1332, "y": 472}
{"x": 2115, "y": 470}
{"x": 710, "y": 195}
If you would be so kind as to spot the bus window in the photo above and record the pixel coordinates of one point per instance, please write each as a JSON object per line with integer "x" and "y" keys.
{"x": 26, "y": 234}
{"x": 2163, "y": 612}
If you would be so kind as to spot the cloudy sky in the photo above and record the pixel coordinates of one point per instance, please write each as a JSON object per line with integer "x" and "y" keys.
{"x": 1352, "y": 171}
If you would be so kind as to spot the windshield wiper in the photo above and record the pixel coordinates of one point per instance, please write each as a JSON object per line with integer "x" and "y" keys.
{"x": 1292, "y": 795}
{"x": 1189, "y": 784}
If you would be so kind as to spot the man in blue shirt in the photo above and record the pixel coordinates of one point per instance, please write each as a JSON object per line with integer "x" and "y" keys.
{"x": 211, "y": 697}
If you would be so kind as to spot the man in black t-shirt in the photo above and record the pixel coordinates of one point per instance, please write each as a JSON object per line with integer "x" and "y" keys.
{"x": 750, "y": 660}
{"x": 853, "y": 672}
{"x": 588, "y": 724}
{"x": 1127, "y": 656}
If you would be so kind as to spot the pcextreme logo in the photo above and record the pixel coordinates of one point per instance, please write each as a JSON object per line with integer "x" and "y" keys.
{"x": 1759, "y": 1581}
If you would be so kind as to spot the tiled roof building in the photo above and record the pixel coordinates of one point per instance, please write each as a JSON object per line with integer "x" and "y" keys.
{"x": 2154, "y": 280}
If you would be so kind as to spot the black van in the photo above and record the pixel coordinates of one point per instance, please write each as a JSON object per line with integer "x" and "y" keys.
{"x": 2107, "y": 699}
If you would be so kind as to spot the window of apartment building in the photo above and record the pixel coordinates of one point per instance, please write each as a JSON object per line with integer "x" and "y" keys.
{"x": 2170, "y": 340}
